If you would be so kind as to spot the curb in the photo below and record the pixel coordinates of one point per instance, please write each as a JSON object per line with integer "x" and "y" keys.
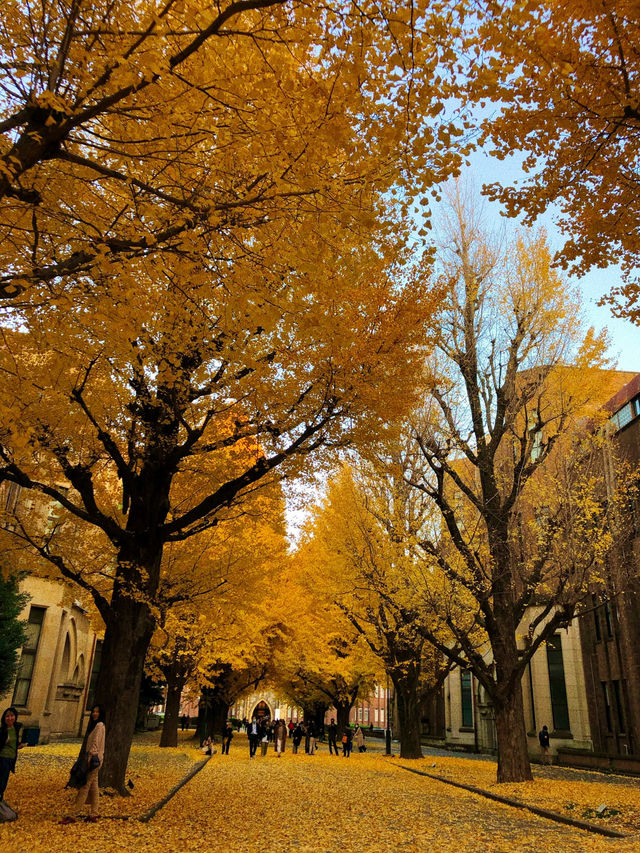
{"x": 146, "y": 817}
{"x": 555, "y": 816}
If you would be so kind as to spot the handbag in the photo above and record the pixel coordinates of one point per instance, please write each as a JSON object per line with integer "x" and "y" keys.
{"x": 94, "y": 762}
{"x": 78, "y": 772}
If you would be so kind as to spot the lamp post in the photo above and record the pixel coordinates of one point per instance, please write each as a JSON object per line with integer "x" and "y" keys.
{"x": 388, "y": 731}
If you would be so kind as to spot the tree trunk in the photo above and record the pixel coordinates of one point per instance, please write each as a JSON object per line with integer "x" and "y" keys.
{"x": 318, "y": 720}
{"x": 343, "y": 709}
{"x": 126, "y": 640}
{"x": 513, "y": 755}
{"x": 175, "y": 684}
{"x": 408, "y": 703}
{"x": 217, "y": 713}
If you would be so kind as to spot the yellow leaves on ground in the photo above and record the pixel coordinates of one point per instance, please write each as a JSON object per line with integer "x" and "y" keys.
{"x": 296, "y": 803}
{"x": 573, "y": 797}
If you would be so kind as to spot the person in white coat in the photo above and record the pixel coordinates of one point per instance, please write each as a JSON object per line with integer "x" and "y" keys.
{"x": 94, "y": 751}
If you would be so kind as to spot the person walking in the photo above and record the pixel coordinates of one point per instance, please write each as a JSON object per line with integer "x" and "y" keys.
{"x": 358, "y": 736}
{"x": 545, "y": 745}
{"x": 10, "y": 743}
{"x": 254, "y": 732}
{"x": 227, "y": 736}
{"x": 280, "y": 736}
{"x": 93, "y": 748}
{"x": 296, "y": 737}
{"x": 347, "y": 742}
{"x": 311, "y": 735}
{"x": 333, "y": 738}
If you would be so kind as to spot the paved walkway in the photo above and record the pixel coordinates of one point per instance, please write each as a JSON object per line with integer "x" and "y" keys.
{"x": 324, "y": 804}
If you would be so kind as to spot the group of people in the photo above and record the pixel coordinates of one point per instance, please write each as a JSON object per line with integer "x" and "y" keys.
{"x": 262, "y": 731}
{"x": 84, "y": 773}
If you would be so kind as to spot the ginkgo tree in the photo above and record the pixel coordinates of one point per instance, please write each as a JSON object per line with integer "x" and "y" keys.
{"x": 204, "y": 226}
{"x": 322, "y": 661}
{"x": 508, "y": 461}
{"x": 565, "y": 81}
{"x": 149, "y": 416}
{"x": 362, "y": 540}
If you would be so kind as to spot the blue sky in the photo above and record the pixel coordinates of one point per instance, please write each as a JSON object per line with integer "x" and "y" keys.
{"x": 625, "y": 337}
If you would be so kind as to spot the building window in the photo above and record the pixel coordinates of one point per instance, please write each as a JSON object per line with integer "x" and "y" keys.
{"x": 607, "y": 618}
{"x": 557, "y": 686}
{"x": 376, "y": 715}
{"x": 607, "y": 706}
{"x": 33, "y": 629}
{"x": 596, "y": 618}
{"x": 619, "y": 708}
{"x": 467, "y": 699}
{"x": 627, "y": 413}
{"x": 366, "y": 714}
{"x": 382, "y": 716}
{"x": 535, "y": 434}
{"x": 95, "y": 672}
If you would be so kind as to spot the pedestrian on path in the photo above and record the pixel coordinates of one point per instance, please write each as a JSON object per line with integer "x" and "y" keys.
{"x": 333, "y": 738}
{"x": 297, "y": 738}
{"x": 227, "y": 736}
{"x": 311, "y": 735}
{"x": 545, "y": 745}
{"x": 347, "y": 742}
{"x": 358, "y": 736}
{"x": 10, "y": 743}
{"x": 254, "y": 733}
{"x": 280, "y": 736}
{"x": 93, "y": 749}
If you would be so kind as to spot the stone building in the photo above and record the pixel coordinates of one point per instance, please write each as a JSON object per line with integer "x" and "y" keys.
{"x": 52, "y": 687}
{"x": 554, "y": 694}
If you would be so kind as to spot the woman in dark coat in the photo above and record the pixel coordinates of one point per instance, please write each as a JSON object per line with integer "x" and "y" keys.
{"x": 9, "y": 745}
{"x": 296, "y": 737}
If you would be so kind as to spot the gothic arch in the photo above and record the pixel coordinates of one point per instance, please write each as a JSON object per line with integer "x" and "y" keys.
{"x": 261, "y": 710}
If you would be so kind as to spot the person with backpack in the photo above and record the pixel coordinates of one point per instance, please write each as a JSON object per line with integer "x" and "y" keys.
{"x": 10, "y": 743}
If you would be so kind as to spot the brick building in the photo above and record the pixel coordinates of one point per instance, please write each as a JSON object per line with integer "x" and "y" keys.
{"x": 610, "y": 629}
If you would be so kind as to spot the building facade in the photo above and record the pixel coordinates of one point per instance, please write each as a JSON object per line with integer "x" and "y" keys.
{"x": 553, "y": 691}
{"x": 610, "y": 627}
{"x": 52, "y": 687}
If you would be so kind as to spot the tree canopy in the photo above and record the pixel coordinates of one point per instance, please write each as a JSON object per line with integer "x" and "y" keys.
{"x": 564, "y": 78}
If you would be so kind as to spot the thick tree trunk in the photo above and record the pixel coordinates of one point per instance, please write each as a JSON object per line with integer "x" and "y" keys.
{"x": 343, "y": 709}
{"x": 513, "y": 755}
{"x": 212, "y": 715}
{"x": 318, "y": 720}
{"x": 126, "y": 640}
{"x": 169, "y": 736}
{"x": 216, "y": 718}
{"x": 408, "y": 703}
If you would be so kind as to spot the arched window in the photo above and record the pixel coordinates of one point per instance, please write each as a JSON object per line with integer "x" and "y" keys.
{"x": 66, "y": 661}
